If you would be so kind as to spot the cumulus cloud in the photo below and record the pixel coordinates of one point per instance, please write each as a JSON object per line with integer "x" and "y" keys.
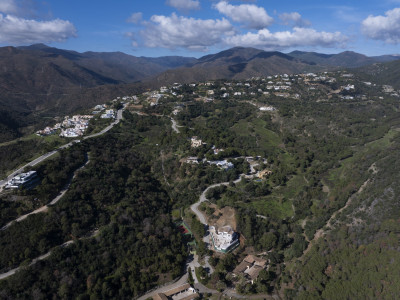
{"x": 8, "y": 6}
{"x": 135, "y": 18}
{"x": 294, "y": 19}
{"x": 252, "y": 16}
{"x": 181, "y": 32}
{"x": 15, "y": 30}
{"x": 285, "y": 39}
{"x": 184, "y": 5}
{"x": 385, "y": 28}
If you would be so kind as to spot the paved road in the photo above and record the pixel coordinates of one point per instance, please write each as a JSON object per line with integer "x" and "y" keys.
{"x": 184, "y": 279}
{"x": 46, "y": 255}
{"x": 46, "y": 207}
{"x": 165, "y": 288}
{"x": 31, "y": 164}
{"x": 34, "y": 261}
{"x": 195, "y": 207}
{"x": 207, "y": 265}
{"x": 195, "y": 263}
{"x": 119, "y": 118}
{"x": 175, "y": 126}
{"x": 47, "y": 155}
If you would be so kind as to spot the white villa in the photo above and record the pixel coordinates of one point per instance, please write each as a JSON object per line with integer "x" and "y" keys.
{"x": 224, "y": 239}
{"x": 196, "y": 142}
{"x": 22, "y": 180}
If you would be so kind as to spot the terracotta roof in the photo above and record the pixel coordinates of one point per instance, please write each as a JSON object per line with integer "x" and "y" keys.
{"x": 160, "y": 296}
{"x": 249, "y": 258}
{"x": 254, "y": 271}
{"x": 241, "y": 267}
{"x": 193, "y": 296}
{"x": 177, "y": 290}
{"x": 260, "y": 262}
{"x": 255, "y": 260}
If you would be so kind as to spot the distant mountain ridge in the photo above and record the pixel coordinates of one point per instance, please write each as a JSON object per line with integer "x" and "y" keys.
{"x": 39, "y": 80}
{"x": 348, "y": 59}
{"x": 242, "y": 62}
{"x": 237, "y": 63}
{"x": 119, "y": 66}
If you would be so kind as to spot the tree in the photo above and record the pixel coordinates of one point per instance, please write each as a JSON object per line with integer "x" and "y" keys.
{"x": 190, "y": 276}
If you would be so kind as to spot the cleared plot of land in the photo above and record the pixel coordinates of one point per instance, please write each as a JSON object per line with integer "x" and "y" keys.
{"x": 222, "y": 217}
{"x": 264, "y": 138}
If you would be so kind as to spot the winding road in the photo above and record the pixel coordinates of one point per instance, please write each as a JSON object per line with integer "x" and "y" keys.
{"x": 195, "y": 207}
{"x": 44, "y": 256}
{"x": 175, "y": 126}
{"x": 49, "y": 154}
{"x": 46, "y": 207}
{"x": 195, "y": 261}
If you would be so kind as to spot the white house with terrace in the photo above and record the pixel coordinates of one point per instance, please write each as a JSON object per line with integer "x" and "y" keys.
{"x": 224, "y": 239}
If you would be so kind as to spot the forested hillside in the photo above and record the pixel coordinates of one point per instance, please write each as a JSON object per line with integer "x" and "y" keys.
{"x": 317, "y": 200}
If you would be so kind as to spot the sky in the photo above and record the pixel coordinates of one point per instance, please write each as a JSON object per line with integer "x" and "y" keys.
{"x": 200, "y": 27}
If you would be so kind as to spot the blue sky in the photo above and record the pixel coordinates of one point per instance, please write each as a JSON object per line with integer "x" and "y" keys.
{"x": 199, "y": 27}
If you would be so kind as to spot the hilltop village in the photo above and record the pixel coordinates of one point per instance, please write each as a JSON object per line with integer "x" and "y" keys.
{"x": 244, "y": 186}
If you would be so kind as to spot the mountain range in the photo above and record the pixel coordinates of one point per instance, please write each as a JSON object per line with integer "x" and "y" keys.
{"x": 39, "y": 81}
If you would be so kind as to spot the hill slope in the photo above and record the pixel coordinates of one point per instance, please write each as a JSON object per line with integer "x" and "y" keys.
{"x": 383, "y": 73}
{"x": 346, "y": 59}
{"x": 38, "y": 80}
{"x": 237, "y": 63}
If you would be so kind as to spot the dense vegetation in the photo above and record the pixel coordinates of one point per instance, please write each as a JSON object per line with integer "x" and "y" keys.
{"x": 323, "y": 153}
{"x": 117, "y": 194}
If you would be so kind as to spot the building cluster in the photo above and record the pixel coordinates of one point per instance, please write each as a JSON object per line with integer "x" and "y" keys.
{"x": 75, "y": 126}
{"x": 154, "y": 97}
{"x": 70, "y": 127}
{"x": 25, "y": 180}
{"x": 250, "y": 268}
{"x": 98, "y": 109}
{"x": 224, "y": 239}
{"x": 47, "y": 131}
{"x": 222, "y": 164}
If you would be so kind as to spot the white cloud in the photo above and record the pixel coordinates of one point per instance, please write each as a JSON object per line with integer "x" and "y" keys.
{"x": 135, "y": 18}
{"x": 252, "y": 16}
{"x": 294, "y": 19}
{"x": 385, "y": 28}
{"x": 285, "y": 39}
{"x": 15, "y": 30}
{"x": 181, "y": 32}
{"x": 184, "y": 5}
{"x": 8, "y": 6}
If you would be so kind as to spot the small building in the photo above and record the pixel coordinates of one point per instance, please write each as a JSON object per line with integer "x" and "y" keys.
{"x": 183, "y": 292}
{"x": 250, "y": 267}
{"x": 192, "y": 160}
{"x": 267, "y": 108}
{"x": 223, "y": 164}
{"x": 225, "y": 95}
{"x": 264, "y": 174}
{"x": 216, "y": 150}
